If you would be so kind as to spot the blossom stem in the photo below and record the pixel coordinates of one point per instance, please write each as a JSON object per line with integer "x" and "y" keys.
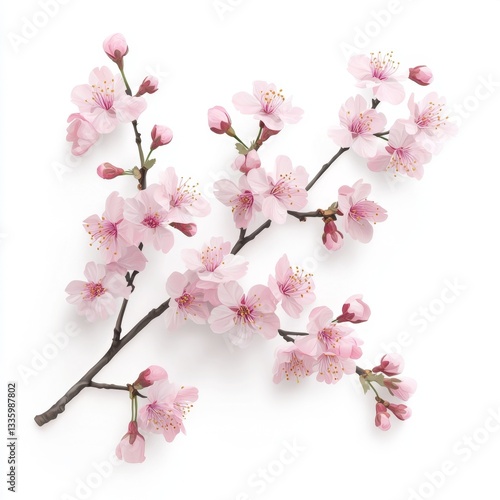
{"x": 86, "y": 380}
{"x": 287, "y": 335}
{"x": 259, "y": 134}
{"x": 240, "y": 141}
{"x": 243, "y": 241}
{"x": 325, "y": 167}
{"x": 302, "y": 216}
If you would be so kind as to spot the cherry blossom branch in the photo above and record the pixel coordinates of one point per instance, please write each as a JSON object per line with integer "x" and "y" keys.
{"x": 325, "y": 167}
{"x": 302, "y": 216}
{"x": 286, "y": 334}
{"x": 86, "y": 380}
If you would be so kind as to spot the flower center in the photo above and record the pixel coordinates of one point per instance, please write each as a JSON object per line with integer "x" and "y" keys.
{"x": 296, "y": 283}
{"x": 383, "y": 67}
{"x": 271, "y": 100}
{"x": 185, "y": 193}
{"x": 94, "y": 290}
{"x": 284, "y": 186}
{"x": 152, "y": 220}
{"x": 361, "y": 124}
{"x": 104, "y": 96}
{"x": 185, "y": 300}
{"x": 364, "y": 210}
{"x": 243, "y": 202}
{"x": 431, "y": 116}
{"x": 212, "y": 257}
{"x": 104, "y": 233}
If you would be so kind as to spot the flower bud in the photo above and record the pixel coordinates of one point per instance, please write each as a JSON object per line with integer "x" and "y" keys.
{"x": 219, "y": 121}
{"x": 148, "y": 86}
{"x": 400, "y": 411}
{"x": 109, "y": 171}
{"x": 149, "y": 377}
{"x": 390, "y": 364}
{"x": 132, "y": 445}
{"x": 266, "y": 133}
{"x": 382, "y": 417}
{"x": 161, "y": 136}
{"x": 421, "y": 75}
{"x": 354, "y": 310}
{"x": 332, "y": 238}
{"x": 245, "y": 163}
{"x": 187, "y": 229}
{"x": 116, "y": 48}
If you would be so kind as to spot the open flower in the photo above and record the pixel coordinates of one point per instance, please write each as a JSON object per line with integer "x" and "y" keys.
{"x": 242, "y": 315}
{"x": 215, "y": 264}
{"x": 132, "y": 445}
{"x": 291, "y": 362}
{"x": 166, "y": 408}
{"x": 402, "y": 155}
{"x": 292, "y": 286}
{"x": 358, "y": 126}
{"x": 379, "y": 73}
{"x": 359, "y": 212}
{"x": 268, "y": 105}
{"x": 186, "y": 300}
{"x": 243, "y": 200}
{"x": 96, "y": 297}
{"x": 286, "y": 190}
{"x": 104, "y": 103}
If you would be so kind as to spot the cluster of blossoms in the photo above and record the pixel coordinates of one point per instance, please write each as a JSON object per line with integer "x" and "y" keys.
{"x": 166, "y": 407}
{"x": 209, "y": 290}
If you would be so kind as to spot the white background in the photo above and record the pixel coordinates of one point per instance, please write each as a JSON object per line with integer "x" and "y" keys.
{"x": 440, "y": 237}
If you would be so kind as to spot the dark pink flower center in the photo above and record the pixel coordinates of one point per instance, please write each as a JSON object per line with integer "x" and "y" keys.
{"x": 94, "y": 290}
{"x": 185, "y": 300}
{"x": 296, "y": 283}
{"x": 383, "y": 67}
{"x": 105, "y": 233}
{"x": 212, "y": 257}
{"x": 104, "y": 96}
{"x": 243, "y": 202}
{"x": 364, "y": 210}
{"x": 430, "y": 117}
{"x": 244, "y": 314}
{"x": 361, "y": 124}
{"x": 152, "y": 220}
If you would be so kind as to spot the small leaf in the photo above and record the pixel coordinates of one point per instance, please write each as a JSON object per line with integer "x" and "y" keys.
{"x": 149, "y": 163}
{"x": 136, "y": 173}
{"x": 364, "y": 384}
{"x": 243, "y": 150}
{"x": 376, "y": 377}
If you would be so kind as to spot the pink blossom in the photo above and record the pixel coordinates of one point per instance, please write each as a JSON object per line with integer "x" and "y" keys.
{"x": 131, "y": 259}
{"x": 215, "y": 264}
{"x": 359, "y": 212}
{"x": 245, "y": 163}
{"x": 104, "y": 102}
{"x": 188, "y": 229}
{"x": 390, "y": 364}
{"x": 382, "y": 417}
{"x": 116, "y": 48}
{"x": 421, "y": 75}
{"x": 148, "y": 86}
{"x": 325, "y": 336}
{"x": 81, "y": 133}
{"x": 331, "y": 367}
{"x": 242, "y": 199}
{"x": 291, "y": 362}
{"x": 358, "y": 126}
{"x": 354, "y": 310}
{"x": 268, "y": 105}
{"x": 109, "y": 171}
{"x": 149, "y": 376}
{"x": 266, "y": 133}
{"x": 219, "y": 121}
{"x": 379, "y": 73}
{"x": 403, "y": 154}
{"x": 147, "y": 221}
{"x": 429, "y": 120}
{"x": 95, "y": 298}
{"x": 182, "y": 199}
{"x": 131, "y": 447}
{"x": 332, "y": 238}
{"x": 400, "y": 411}
{"x": 241, "y": 316}
{"x": 186, "y": 300}
{"x": 281, "y": 192}
{"x": 401, "y": 388}
{"x": 166, "y": 408}
{"x": 161, "y": 136}
{"x": 107, "y": 232}
{"x": 292, "y": 286}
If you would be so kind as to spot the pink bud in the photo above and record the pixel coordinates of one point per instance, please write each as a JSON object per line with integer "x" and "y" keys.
{"x": 116, "y": 47}
{"x": 245, "y": 163}
{"x": 354, "y": 310}
{"x": 132, "y": 445}
{"x": 401, "y": 388}
{"x": 390, "y": 364}
{"x": 333, "y": 239}
{"x": 219, "y": 120}
{"x": 108, "y": 171}
{"x": 161, "y": 136}
{"x": 148, "y": 86}
{"x": 187, "y": 229}
{"x": 382, "y": 417}
{"x": 149, "y": 376}
{"x": 266, "y": 133}
{"x": 401, "y": 411}
{"x": 421, "y": 75}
